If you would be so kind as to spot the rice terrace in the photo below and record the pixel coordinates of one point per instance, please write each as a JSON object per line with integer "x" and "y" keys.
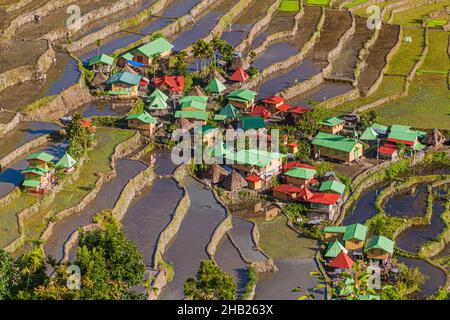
{"x": 326, "y": 124}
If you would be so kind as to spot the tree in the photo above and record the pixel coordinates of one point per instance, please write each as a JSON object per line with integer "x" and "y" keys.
{"x": 31, "y": 270}
{"x": 253, "y": 71}
{"x": 368, "y": 118}
{"x": 6, "y": 274}
{"x": 203, "y": 51}
{"x": 309, "y": 123}
{"x": 211, "y": 283}
{"x": 79, "y": 139}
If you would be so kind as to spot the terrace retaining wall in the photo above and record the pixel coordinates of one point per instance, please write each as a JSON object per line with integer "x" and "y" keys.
{"x": 411, "y": 5}
{"x": 6, "y": 127}
{"x": 218, "y": 234}
{"x": 258, "y": 27}
{"x": 29, "y": 72}
{"x": 15, "y": 6}
{"x": 90, "y": 17}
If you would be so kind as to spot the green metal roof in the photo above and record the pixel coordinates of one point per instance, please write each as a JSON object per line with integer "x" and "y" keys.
{"x": 194, "y": 98}
{"x": 369, "y": 135}
{"x": 43, "y": 156}
{"x": 355, "y": 231}
{"x": 379, "y": 128}
{"x": 199, "y": 105}
{"x": 117, "y": 92}
{"x": 157, "y": 103}
{"x": 215, "y": 86}
{"x": 220, "y": 117}
{"x": 332, "y": 185}
{"x": 158, "y": 93}
{"x": 127, "y": 56}
{"x": 31, "y": 183}
{"x": 368, "y": 297}
{"x": 229, "y": 111}
{"x": 155, "y": 47}
{"x": 101, "y": 58}
{"x": 407, "y": 129}
{"x": 205, "y": 129}
{"x": 125, "y": 77}
{"x": 380, "y": 242}
{"x": 143, "y": 117}
{"x": 66, "y": 161}
{"x": 254, "y": 157}
{"x": 36, "y": 170}
{"x": 252, "y": 123}
{"x": 334, "y": 248}
{"x": 334, "y": 142}
{"x": 331, "y": 122}
{"x": 302, "y": 173}
{"x": 197, "y": 115}
{"x": 418, "y": 146}
{"x": 405, "y": 136}
{"x": 339, "y": 229}
{"x": 243, "y": 95}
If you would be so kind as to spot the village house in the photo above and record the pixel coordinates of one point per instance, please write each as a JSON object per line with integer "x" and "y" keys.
{"x": 337, "y": 147}
{"x": 260, "y": 111}
{"x": 355, "y": 236}
{"x": 243, "y": 99}
{"x": 379, "y": 248}
{"x": 276, "y": 104}
{"x": 258, "y": 162}
{"x": 326, "y": 203}
{"x": 332, "y": 186}
{"x": 172, "y": 84}
{"x": 388, "y": 151}
{"x": 123, "y": 59}
{"x": 252, "y": 123}
{"x": 215, "y": 86}
{"x": 334, "y": 233}
{"x": 200, "y": 116}
{"x": 332, "y": 125}
{"x": 143, "y": 122}
{"x": 124, "y": 84}
{"x": 157, "y": 48}
{"x": 254, "y": 182}
{"x": 300, "y": 177}
{"x": 38, "y": 175}
{"x": 292, "y": 147}
{"x": 296, "y": 164}
{"x": 193, "y": 103}
{"x": 296, "y": 112}
{"x": 101, "y": 63}
{"x": 239, "y": 75}
{"x": 208, "y": 133}
{"x": 229, "y": 112}
{"x": 286, "y": 192}
{"x": 342, "y": 262}
{"x": 67, "y": 163}
{"x": 333, "y": 249}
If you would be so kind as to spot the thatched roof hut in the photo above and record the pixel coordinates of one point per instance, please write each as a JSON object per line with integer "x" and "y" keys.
{"x": 99, "y": 79}
{"x": 216, "y": 74}
{"x": 185, "y": 124}
{"x": 127, "y": 68}
{"x": 234, "y": 182}
{"x": 216, "y": 173}
{"x": 196, "y": 91}
{"x": 434, "y": 138}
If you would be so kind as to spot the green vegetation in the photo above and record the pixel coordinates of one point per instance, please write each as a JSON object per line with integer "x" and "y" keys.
{"x": 324, "y": 3}
{"x": 38, "y": 104}
{"x": 433, "y": 23}
{"x": 252, "y": 275}
{"x": 415, "y": 16}
{"x": 437, "y": 57}
{"x": 426, "y": 106}
{"x": 408, "y": 53}
{"x": 409, "y": 281}
{"x": 277, "y": 240}
{"x": 211, "y": 283}
{"x": 354, "y": 4}
{"x": 290, "y": 5}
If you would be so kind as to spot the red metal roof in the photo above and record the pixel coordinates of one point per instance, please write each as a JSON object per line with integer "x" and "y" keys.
{"x": 388, "y": 149}
{"x": 305, "y": 194}
{"x": 173, "y": 83}
{"x": 239, "y": 75}
{"x": 300, "y": 110}
{"x": 324, "y": 198}
{"x": 253, "y": 178}
{"x": 408, "y": 143}
{"x": 295, "y": 164}
{"x": 292, "y": 144}
{"x": 284, "y": 107}
{"x": 274, "y": 100}
{"x": 286, "y": 188}
{"x": 342, "y": 261}
{"x": 260, "y": 111}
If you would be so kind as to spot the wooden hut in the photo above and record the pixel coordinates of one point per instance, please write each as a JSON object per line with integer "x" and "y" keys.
{"x": 434, "y": 138}
{"x": 234, "y": 182}
{"x": 216, "y": 173}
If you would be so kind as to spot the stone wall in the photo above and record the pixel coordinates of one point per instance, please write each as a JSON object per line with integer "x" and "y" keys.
{"x": 258, "y": 27}
{"x": 24, "y": 149}
{"x": 90, "y": 17}
{"x": 410, "y": 5}
{"x": 6, "y": 127}
{"x": 218, "y": 234}
{"x": 28, "y": 17}
{"x": 14, "y": 6}
{"x": 29, "y": 72}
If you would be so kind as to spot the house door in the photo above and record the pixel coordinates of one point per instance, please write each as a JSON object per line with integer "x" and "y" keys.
{"x": 139, "y": 59}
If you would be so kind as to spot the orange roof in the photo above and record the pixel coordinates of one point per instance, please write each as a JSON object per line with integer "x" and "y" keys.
{"x": 239, "y": 75}
{"x": 174, "y": 83}
{"x": 324, "y": 198}
{"x": 342, "y": 261}
{"x": 274, "y": 100}
{"x": 260, "y": 111}
{"x": 253, "y": 178}
{"x": 286, "y": 188}
{"x": 284, "y": 107}
{"x": 300, "y": 110}
{"x": 292, "y": 144}
{"x": 86, "y": 123}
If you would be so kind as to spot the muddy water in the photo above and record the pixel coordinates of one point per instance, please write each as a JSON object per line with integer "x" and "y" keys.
{"x": 292, "y": 273}
{"x": 126, "y": 169}
{"x": 412, "y": 239}
{"x": 275, "y": 53}
{"x": 281, "y": 22}
{"x": 204, "y": 26}
{"x": 435, "y": 277}
{"x": 364, "y": 208}
{"x": 189, "y": 246}
{"x": 162, "y": 161}
{"x": 228, "y": 258}
{"x": 68, "y": 78}
{"x": 406, "y": 204}
{"x": 12, "y": 176}
{"x": 149, "y": 215}
{"x": 296, "y": 75}
{"x": 322, "y": 93}
{"x": 25, "y": 132}
{"x": 242, "y": 237}
{"x": 101, "y": 109}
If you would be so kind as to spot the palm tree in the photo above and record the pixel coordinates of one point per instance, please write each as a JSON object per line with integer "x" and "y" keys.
{"x": 203, "y": 51}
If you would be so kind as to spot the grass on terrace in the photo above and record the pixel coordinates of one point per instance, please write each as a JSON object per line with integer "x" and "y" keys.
{"x": 354, "y": 4}
{"x": 363, "y": 11}
{"x": 279, "y": 241}
{"x": 437, "y": 58}
{"x": 414, "y": 16}
{"x": 99, "y": 162}
{"x": 290, "y": 5}
{"x": 427, "y": 105}
{"x": 325, "y": 3}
